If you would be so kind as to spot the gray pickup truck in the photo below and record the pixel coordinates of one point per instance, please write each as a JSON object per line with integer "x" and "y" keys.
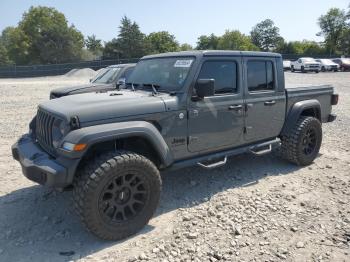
{"x": 178, "y": 109}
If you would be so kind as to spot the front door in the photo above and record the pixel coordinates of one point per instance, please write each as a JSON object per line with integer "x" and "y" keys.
{"x": 217, "y": 122}
{"x": 265, "y": 105}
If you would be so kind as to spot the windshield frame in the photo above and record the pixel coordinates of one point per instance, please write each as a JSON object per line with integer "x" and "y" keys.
{"x": 161, "y": 87}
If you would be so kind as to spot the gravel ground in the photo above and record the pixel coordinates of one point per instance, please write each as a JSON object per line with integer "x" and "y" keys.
{"x": 252, "y": 209}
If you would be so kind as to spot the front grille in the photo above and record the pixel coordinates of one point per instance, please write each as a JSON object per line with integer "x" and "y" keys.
{"x": 44, "y": 124}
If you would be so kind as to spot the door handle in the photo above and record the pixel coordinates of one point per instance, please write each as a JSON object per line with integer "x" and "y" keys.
{"x": 235, "y": 107}
{"x": 270, "y": 103}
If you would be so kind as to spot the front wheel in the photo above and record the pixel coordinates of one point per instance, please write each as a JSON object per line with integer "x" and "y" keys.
{"x": 116, "y": 194}
{"x": 302, "y": 144}
{"x": 303, "y": 70}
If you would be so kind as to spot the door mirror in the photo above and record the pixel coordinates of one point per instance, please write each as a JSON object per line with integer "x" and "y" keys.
{"x": 205, "y": 88}
{"x": 90, "y": 80}
{"x": 121, "y": 82}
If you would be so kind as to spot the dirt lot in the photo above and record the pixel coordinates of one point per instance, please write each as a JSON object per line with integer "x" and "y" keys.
{"x": 253, "y": 209}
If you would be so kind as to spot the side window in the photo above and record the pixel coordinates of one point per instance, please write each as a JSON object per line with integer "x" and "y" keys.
{"x": 260, "y": 76}
{"x": 299, "y": 61}
{"x": 223, "y": 72}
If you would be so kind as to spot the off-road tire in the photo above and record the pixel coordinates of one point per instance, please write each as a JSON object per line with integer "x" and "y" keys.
{"x": 97, "y": 174}
{"x": 292, "y": 148}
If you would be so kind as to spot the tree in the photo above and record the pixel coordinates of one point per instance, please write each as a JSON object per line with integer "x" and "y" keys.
{"x": 332, "y": 26}
{"x": 93, "y": 45}
{"x": 161, "y": 42}
{"x": 186, "y": 47}
{"x": 43, "y": 36}
{"x": 235, "y": 40}
{"x": 4, "y": 58}
{"x": 265, "y": 35}
{"x": 344, "y": 42}
{"x": 207, "y": 42}
{"x": 131, "y": 41}
{"x": 16, "y": 44}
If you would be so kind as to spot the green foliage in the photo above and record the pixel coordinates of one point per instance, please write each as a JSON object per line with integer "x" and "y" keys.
{"x": 186, "y": 47}
{"x": 207, "y": 42}
{"x": 235, "y": 40}
{"x": 4, "y": 58}
{"x": 93, "y": 45}
{"x": 161, "y": 42}
{"x": 305, "y": 47}
{"x": 17, "y": 45}
{"x": 43, "y": 36}
{"x": 344, "y": 42}
{"x": 265, "y": 35}
{"x": 332, "y": 26}
{"x": 130, "y": 43}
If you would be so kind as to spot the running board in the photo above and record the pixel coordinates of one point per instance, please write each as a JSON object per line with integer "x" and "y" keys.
{"x": 276, "y": 142}
{"x": 214, "y": 165}
{"x": 264, "y": 148}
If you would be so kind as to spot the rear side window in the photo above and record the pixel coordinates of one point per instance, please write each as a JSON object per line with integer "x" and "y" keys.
{"x": 260, "y": 76}
{"x": 223, "y": 72}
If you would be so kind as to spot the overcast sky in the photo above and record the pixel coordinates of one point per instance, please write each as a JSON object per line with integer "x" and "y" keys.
{"x": 187, "y": 20}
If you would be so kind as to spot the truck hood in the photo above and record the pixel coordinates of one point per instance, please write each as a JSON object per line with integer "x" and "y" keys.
{"x": 63, "y": 91}
{"x": 91, "y": 107}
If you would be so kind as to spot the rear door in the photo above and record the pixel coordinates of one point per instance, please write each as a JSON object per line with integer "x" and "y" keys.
{"x": 264, "y": 103}
{"x": 217, "y": 122}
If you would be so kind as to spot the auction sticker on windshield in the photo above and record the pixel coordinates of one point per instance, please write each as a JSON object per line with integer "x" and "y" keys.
{"x": 183, "y": 63}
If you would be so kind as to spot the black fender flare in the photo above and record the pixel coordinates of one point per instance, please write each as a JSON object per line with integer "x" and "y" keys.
{"x": 106, "y": 132}
{"x": 297, "y": 109}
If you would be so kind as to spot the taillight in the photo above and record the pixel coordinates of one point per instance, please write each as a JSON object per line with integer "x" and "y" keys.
{"x": 334, "y": 99}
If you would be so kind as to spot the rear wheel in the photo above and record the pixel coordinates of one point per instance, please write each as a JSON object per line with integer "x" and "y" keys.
{"x": 317, "y": 71}
{"x": 117, "y": 194}
{"x": 302, "y": 144}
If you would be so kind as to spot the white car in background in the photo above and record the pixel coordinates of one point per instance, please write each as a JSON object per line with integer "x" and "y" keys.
{"x": 305, "y": 64}
{"x": 286, "y": 65}
{"x": 328, "y": 65}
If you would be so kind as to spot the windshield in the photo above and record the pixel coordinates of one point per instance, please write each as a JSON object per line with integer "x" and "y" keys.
{"x": 168, "y": 74}
{"x": 107, "y": 76}
{"x": 310, "y": 60}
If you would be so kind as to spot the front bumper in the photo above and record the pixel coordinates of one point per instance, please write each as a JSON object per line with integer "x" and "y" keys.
{"x": 37, "y": 165}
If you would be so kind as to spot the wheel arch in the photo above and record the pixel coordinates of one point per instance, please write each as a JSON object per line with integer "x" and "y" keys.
{"x": 310, "y": 107}
{"x": 139, "y": 136}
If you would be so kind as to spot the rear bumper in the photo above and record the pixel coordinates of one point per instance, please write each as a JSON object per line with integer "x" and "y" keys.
{"x": 331, "y": 117}
{"x": 37, "y": 165}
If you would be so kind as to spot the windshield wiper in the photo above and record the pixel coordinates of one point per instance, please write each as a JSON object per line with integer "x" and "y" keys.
{"x": 153, "y": 86}
{"x": 132, "y": 86}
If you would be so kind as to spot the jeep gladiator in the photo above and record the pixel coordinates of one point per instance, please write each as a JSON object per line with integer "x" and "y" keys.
{"x": 177, "y": 110}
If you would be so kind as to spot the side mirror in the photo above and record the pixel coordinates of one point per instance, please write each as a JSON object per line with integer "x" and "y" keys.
{"x": 90, "y": 80}
{"x": 205, "y": 88}
{"x": 121, "y": 82}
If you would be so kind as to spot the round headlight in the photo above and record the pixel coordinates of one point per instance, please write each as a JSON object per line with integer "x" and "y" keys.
{"x": 59, "y": 129}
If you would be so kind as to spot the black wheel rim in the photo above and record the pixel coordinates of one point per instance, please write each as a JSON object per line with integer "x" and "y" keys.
{"x": 123, "y": 198}
{"x": 309, "y": 142}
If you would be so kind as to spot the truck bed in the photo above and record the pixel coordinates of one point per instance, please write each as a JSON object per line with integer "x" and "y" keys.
{"x": 322, "y": 93}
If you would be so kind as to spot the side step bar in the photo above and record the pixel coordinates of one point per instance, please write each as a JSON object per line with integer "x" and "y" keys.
{"x": 257, "y": 149}
{"x": 214, "y": 165}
